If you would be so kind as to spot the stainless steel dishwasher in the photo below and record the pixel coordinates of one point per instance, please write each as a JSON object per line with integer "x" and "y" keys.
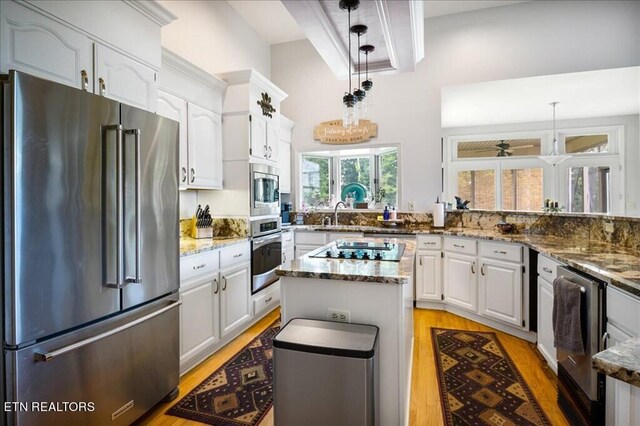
{"x": 325, "y": 373}
{"x": 581, "y": 390}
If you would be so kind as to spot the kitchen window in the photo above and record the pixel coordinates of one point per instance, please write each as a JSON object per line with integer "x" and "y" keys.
{"x": 503, "y": 171}
{"x": 369, "y": 175}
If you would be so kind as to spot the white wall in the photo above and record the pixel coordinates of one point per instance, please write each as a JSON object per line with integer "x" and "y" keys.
{"x": 521, "y": 40}
{"x": 214, "y": 37}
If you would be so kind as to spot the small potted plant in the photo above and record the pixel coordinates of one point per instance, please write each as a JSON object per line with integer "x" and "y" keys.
{"x": 378, "y": 196}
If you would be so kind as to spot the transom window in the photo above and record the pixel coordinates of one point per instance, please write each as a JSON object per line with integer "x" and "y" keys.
{"x": 368, "y": 175}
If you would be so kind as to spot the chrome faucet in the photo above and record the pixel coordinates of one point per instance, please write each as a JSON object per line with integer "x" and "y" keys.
{"x": 335, "y": 212}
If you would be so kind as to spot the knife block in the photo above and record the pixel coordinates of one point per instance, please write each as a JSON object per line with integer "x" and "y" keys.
{"x": 200, "y": 232}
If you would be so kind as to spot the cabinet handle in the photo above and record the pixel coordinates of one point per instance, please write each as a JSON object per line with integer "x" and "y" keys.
{"x": 605, "y": 337}
{"x": 284, "y": 258}
{"x": 269, "y": 150}
{"x": 224, "y": 286}
{"x": 238, "y": 255}
{"x": 482, "y": 269}
{"x": 500, "y": 252}
{"x": 430, "y": 243}
{"x": 458, "y": 245}
{"x": 265, "y": 151}
{"x": 420, "y": 261}
{"x": 473, "y": 268}
{"x": 184, "y": 174}
{"x": 268, "y": 300}
{"x": 103, "y": 86}
{"x": 193, "y": 175}
{"x": 547, "y": 270}
{"x": 200, "y": 266}
{"x": 85, "y": 80}
{"x": 217, "y": 288}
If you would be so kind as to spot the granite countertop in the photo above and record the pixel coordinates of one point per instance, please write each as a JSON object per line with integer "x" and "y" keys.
{"x": 616, "y": 265}
{"x": 189, "y": 246}
{"x": 621, "y": 362}
{"x": 373, "y": 271}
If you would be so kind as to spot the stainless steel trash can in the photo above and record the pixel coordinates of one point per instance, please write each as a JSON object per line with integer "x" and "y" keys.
{"x": 325, "y": 373}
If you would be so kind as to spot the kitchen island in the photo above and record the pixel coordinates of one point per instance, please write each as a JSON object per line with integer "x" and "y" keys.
{"x": 365, "y": 291}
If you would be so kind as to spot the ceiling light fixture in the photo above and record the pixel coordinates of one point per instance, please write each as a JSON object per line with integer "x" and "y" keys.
{"x": 367, "y": 84}
{"x": 554, "y": 157}
{"x": 358, "y": 92}
{"x": 349, "y": 101}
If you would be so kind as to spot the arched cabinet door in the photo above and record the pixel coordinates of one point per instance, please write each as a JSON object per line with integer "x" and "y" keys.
{"x": 205, "y": 148}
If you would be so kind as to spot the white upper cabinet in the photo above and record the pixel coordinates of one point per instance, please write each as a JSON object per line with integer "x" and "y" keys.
{"x": 74, "y": 43}
{"x": 205, "y": 148}
{"x": 175, "y": 108}
{"x": 193, "y": 97}
{"x": 284, "y": 153}
{"x": 40, "y": 46}
{"x": 123, "y": 79}
{"x": 251, "y": 98}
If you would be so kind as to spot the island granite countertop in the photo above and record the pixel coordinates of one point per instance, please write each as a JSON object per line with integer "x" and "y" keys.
{"x": 189, "y": 246}
{"x": 619, "y": 266}
{"x": 372, "y": 271}
{"x": 621, "y": 362}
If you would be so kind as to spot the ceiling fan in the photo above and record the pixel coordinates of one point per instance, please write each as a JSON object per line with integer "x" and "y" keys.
{"x": 505, "y": 149}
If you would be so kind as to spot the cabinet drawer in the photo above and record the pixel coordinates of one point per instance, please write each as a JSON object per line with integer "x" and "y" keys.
{"x": 287, "y": 239}
{"x": 236, "y": 253}
{"x": 310, "y": 238}
{"x": 429, "y": 242}
{"x": 508, "y": 252}
{"x": 460, "y": 245}
{"x": 198, "y": 265}
{"x": 548, "y": 268}
{"x": 623, "y": 311}
{"x": 342, "y": 235}
{"x": 267, "y": 301}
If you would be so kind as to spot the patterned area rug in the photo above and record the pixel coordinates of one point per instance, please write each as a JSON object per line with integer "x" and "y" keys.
{"x": 240, "y": 392}
{"x": 479, "y": 384}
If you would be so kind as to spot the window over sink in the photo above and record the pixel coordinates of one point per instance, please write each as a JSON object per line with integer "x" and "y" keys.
{"x": 369, "y": 175}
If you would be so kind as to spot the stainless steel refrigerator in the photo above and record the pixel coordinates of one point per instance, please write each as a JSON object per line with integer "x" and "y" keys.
{"x": 90, "y": 256}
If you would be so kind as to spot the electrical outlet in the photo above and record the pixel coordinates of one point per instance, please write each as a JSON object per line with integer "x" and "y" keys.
{"x": 336, "y": 315}
{"x": 608, "y": 227}
{"x": 412, "y": 205}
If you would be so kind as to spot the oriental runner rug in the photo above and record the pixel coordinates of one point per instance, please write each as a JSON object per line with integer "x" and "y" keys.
{"x": 240, "y": 392}
{"x": 479, "y": 384}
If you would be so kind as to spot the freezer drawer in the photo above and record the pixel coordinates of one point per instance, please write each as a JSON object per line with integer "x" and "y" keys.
{"x": 123, "y": 366}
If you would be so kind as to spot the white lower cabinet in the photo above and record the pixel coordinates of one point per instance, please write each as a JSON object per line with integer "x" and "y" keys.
{"x": 500, "y": 291}
{"x": 622, "y": 399}
{"x": 234, "y": 297}
{"x": 460, "y": 278}
{"x": 429, "y": 275}
{"x": 216, "y": 303}
{"x": 545, "y": 323}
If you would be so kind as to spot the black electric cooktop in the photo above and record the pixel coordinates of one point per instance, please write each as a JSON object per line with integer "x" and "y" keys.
{"x": 359, "y": 250}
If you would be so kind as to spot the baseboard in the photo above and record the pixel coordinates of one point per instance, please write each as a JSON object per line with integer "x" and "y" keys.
{"x": 423, "y": 304}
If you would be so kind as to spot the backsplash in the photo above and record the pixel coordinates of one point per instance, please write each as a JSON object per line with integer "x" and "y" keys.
{"x": 223, "y": 227}
{"x": 626, "y": 230}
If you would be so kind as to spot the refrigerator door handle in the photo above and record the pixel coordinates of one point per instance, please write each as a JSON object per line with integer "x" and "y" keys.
{"x": 136, "y": 279}
{"x": 51, "y": 355}
{"x": 113, "y": 226}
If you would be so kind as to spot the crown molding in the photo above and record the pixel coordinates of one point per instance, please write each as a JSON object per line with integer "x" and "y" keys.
{"x": 253, "y": 76}
{"x": 182, "y": 65}
{"x": 152, "y": 10}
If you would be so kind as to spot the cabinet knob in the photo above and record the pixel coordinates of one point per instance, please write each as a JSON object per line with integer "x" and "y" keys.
{"x": 85, "y": 80}
{"x": 103, "y": 86}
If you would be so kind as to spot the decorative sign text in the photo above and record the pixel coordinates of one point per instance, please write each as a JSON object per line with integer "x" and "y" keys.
{"x": 333, "y": 133}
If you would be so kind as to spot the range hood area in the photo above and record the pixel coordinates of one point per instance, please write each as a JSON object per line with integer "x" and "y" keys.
{"x": 396, "y": 28}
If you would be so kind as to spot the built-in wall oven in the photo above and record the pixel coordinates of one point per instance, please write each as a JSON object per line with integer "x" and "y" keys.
{"x": 266, "y": 253}
{"x": 581, "y": 390}
{"x": 265, "y": 193}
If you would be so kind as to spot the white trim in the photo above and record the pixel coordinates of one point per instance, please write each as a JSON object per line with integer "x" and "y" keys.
{"x": 187, "y": 68}
{"x": 253, "y": 76}
{"x": 153, "y": 10}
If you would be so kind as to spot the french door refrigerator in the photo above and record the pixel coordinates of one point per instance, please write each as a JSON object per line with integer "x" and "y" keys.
{"x": 90, "y": 256}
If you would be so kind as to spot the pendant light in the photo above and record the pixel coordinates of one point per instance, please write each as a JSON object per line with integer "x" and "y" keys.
{"x": 358, "y": 92}
{"x": 554, "y": 157}
{"x": 349, "y": 101}
{"x": 367, "y": 84}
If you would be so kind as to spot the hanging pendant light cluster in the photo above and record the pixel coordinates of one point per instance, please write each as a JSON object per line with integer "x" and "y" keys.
{"x": 554, "y": 157}
{"x": 355, "y": 103}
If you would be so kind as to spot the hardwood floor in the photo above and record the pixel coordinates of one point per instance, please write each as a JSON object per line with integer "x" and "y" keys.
{"x": 425, "y": 398}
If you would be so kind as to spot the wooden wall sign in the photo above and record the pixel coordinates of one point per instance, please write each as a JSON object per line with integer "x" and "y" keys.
{"x": 332, "y": 132}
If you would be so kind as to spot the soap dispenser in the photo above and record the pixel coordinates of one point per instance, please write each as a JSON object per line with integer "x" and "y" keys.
{"x": 385, "y": 213}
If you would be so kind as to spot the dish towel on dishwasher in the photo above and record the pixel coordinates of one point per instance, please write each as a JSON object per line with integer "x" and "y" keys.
{"x": 567, "y": 330}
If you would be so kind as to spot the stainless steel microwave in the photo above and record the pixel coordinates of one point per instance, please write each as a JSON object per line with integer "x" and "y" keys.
{"x": 265, "y": 192}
